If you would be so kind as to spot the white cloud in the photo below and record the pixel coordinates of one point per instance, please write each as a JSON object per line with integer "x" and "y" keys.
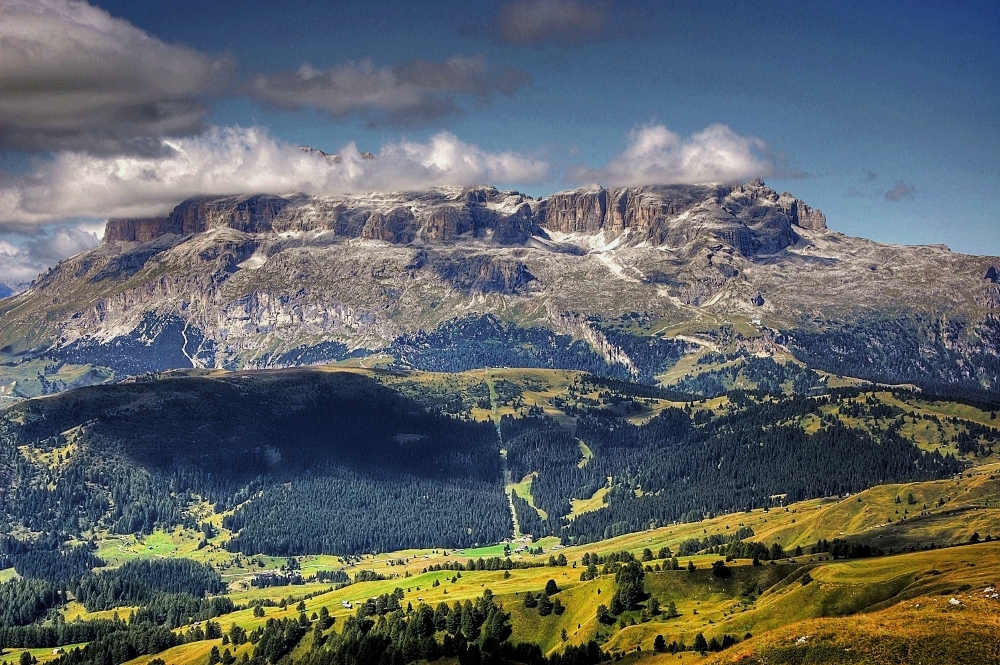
{"x": 560, "y": 21}
{"x": 22, "y": 262}
{"x": 412, "y": 93}
{"x": 656, "y": 155}
{"x": 245, "y": 160}
{"x": 74, "y": 77}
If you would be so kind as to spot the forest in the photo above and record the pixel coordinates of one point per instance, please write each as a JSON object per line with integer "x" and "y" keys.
{"x": 905, "y": 349}
{"x": 678, "y": 467}
{"x": 393, "y": 472}
{"x": 353, "y": 446}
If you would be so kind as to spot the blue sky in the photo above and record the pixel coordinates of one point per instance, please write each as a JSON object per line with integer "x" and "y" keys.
{"x": 886, "y": 116}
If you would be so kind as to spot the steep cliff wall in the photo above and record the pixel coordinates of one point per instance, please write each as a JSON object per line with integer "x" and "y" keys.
{"x": 752, "y": 218}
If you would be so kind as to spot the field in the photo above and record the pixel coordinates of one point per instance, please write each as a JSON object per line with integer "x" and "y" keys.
{"x": 890, "y": 600}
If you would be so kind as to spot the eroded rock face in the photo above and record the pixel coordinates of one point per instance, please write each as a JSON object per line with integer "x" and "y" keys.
{"x": 440, "y": 215}
{"x": 483, "y": 273}
{"x": 752, "y": 218}
{"x": 251, "y": 214}
{"x": 397, "y": 226}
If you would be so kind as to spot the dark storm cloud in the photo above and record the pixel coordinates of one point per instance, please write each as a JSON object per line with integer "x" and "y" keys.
{"x": 72, "y": 77}
{"x": 412, "y": 93}
{"x": 532, "y": 22}
{"x": 901, "y": 190}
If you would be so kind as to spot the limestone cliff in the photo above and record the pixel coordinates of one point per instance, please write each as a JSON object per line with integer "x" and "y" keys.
{"x": 752, "y": 218}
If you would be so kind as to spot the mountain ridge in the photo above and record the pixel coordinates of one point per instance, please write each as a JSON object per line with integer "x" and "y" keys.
{"x": 505, "y": 217}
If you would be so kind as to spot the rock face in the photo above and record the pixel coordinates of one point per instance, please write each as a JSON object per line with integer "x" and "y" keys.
{"x": 439, "y": 215}
{"x": 252, "y": 214}
{"x": 483, "y": 273}
{"x": 752, "y": 218}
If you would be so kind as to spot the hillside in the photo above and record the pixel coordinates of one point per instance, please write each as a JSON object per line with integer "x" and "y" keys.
{"x": 266, "y": 447}
{"x": 134, "y": 456}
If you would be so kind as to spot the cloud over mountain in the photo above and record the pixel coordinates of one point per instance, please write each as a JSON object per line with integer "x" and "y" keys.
{"x": 654, "y": 154}
{"x": 412, "y": 93}
{"x": 74, "y": 77}
{"x": 234, "y": 160}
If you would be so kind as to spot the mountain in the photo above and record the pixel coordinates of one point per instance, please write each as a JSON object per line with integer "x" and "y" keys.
{"x": 621, "y": 282}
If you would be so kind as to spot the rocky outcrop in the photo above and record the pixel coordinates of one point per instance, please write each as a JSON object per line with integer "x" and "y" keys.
{"x": 483, "y": 273}
{"x": 806, "y": 217}
{"x": 751, "y": 218}
{"x": 141, "y": 230}
{"x": 251, "y": 214}
{"x": 396, "y": 226}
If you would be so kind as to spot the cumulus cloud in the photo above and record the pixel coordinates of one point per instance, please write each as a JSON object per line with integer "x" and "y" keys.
{"x": 901, "y": 190}
{"x": 74, "y": 77}
{"x": 411, "y": 93}
{"x": 532, "y": 22}
{"x": 656, "y": 155}
{"x": 22, "y": 262}
{"x": 244, "y": 160}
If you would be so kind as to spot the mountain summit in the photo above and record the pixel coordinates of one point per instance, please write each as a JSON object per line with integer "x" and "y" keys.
{"x": 751, "y": 217}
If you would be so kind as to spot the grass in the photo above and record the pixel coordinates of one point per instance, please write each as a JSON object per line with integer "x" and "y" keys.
{"x": 589, "y": 505}
{"x": 195, "y": 653}
{"x": 42, "y": 655}
{"x": 74, "y": 611}
{"x": 921, "y": 630}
